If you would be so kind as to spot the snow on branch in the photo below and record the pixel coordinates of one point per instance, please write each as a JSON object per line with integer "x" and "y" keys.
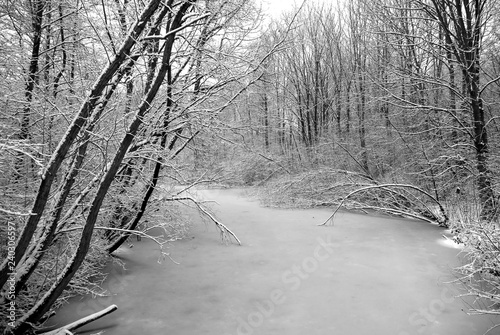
{"x": 82, "y": 322}
{"x": 393, "y": 189}
{"x": 225, "y": 232}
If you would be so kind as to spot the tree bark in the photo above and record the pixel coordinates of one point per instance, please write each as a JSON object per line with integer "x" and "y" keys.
{"x": 44, "y": 304}
{"x": 44, "y": 239}
{"x": 114, "y": 245}
{"x": 37, "y": 12}
{"x": 74, "y": 129}
{"x": 82, "y": 322}
{"x": 467, "y": 21}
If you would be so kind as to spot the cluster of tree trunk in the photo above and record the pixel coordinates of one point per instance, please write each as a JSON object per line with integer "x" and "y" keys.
{"x": 402, "y": 90}
{"x": 103, "y": 100}
{"x": 112, "y": 93}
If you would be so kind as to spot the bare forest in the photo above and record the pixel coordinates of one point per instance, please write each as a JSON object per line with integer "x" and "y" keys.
{"x": 110, "y": 109}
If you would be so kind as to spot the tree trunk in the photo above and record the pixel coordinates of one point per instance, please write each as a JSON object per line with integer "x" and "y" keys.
{"x": 266, "y": 119}
{"x": 46, "y": 236}
{"x": 50, "y": 172}
{"x": 466, "y": 19}
{"x": 156, "y": 171}
{"x": 486, "y": 194}
{"x": 37, "y": 10}
{"x": 362, "y": 125}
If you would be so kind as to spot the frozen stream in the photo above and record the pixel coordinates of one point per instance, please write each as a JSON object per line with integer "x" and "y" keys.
{"x": 364, "y": 275}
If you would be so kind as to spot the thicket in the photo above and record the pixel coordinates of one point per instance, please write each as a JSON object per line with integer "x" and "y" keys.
{"x": 98, "y": 101}
{"x": 106, "y": 106}
{"x": 384, "y": 106}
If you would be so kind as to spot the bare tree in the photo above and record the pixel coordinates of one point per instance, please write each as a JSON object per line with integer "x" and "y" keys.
{"x": 463, "y": 24}
{"x": 122, "y": 137}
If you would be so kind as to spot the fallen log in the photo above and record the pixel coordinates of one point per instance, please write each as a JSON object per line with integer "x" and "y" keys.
{"x": 67, "y": 330}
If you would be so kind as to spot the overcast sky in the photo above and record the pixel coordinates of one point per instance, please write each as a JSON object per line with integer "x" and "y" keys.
{"x": 275, "y": 7}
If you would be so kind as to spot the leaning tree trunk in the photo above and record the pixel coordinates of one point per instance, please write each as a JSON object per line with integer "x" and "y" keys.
{"x": 116, "y": 243}
{"x": 156, "y": 172}
{"x": 45, "y": 237}
{"x": 47, "y": 300}
{"x": 52, "y": 168}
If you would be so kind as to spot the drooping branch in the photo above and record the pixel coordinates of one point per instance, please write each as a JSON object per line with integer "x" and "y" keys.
{"x": 392, "y": 188}
{"x": 225, "y": 232}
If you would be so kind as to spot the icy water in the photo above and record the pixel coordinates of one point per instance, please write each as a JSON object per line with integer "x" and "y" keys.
{"x": 364, "y": 275}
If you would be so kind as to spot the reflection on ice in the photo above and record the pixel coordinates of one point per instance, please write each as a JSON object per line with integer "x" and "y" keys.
{"x": 448, "y": 242}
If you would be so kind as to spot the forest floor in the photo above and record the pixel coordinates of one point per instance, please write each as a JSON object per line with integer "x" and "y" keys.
{"x": 362, "y": 275}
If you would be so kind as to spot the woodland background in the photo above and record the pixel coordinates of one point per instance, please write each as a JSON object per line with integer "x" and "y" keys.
{"x": 109, "y": 109}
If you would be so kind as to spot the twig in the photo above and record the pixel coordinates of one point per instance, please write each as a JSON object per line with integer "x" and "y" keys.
{"x": 223, "y": 229}
{"x": 6, "y": 211}
{"x": 129, "y": 231}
